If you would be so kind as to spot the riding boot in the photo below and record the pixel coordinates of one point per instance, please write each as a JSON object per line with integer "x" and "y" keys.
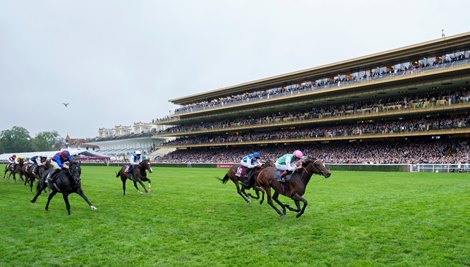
{"x": 131, "y": 173}
{"x": 283, "y": 176}
{"x": 51, "y": 178}
{"x": 248, "y": 176}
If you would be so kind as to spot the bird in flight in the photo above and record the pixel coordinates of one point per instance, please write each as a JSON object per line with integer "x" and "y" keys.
{"x": 66, "y": 104}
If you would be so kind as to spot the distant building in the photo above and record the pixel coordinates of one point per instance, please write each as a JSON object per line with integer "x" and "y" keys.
{"x": 122, "y": 140}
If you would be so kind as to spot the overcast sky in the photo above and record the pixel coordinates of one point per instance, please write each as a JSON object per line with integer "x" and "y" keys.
{"x": 119, "y": 62}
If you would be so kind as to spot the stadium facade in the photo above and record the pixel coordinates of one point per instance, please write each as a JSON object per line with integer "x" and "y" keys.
{"x": 406, "y": 105}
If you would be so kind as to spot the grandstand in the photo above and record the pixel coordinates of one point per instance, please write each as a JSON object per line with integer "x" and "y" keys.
{"x": 406, "y": 105}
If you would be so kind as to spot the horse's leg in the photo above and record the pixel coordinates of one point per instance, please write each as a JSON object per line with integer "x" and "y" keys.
{"x": 80, "y": 192}
{"x": 31, "y": 183}
{"x": 51, "y": 195}
{"x": 276, "y": 198}
{"x": 297, "y": 197}
{"x": 239, "y": 191}
{"x": 270, "y": 202}
{"x": 148, "y": 180}
{"x": 297, "y": 203}
{"x": 257, "y": 189}
{"x": 66, "y": 200}
{"x": 255, "y": 197}
{"x": 242, "y": 189}
{"x": 143, "y": 186}
{"x": 39, "y": 188}
{"x": 136, "y": 187}
{"x": 123, "y": 179}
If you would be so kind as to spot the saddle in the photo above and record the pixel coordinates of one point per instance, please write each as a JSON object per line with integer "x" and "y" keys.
{"x": 52, "y": 175}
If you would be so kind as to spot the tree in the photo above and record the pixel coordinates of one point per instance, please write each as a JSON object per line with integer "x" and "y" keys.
{"x": 15, "y": 140}
{"x": 46, "y": 141}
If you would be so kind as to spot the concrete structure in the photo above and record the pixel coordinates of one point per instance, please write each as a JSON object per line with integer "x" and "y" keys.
{"x": 428, "y": 69}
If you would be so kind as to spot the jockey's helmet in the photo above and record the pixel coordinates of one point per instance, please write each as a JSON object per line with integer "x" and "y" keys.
{"x": 256, "y": 155}
{"x": 137, "y": 152}
{"x": 298, "y": 154}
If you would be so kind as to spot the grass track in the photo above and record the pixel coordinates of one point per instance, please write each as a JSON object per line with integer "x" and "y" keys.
{"x": 191, "y": 219}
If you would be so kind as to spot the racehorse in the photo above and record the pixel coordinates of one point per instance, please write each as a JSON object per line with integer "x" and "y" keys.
{"x": 10, "y": 167}
{"x": 295, "y": 188}
{"x": 67, "y": 181}
{"x": 231, "y": 174}
{"x": 139, "y": 173}
{"x": 24, "y": 172}
{"x": 14, "y": 169}
{"x": 35, "y": 172}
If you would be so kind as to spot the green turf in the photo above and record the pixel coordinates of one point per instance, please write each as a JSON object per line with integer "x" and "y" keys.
{"x": 191, "y": 219}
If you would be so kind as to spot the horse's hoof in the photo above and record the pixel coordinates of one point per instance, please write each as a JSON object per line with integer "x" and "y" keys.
{"x": 140, "y": 192}
{"x": 298, "y": 215}
{"x": 282, "y": 216}
{"x": 93, "y": 207}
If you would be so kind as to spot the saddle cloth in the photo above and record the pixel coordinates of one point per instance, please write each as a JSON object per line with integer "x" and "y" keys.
{"x": 240, "y": 172}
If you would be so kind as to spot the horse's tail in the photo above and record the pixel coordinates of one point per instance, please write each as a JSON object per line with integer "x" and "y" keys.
{"x": 226, "y": 178}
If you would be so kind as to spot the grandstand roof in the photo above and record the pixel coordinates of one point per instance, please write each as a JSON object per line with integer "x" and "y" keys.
{"x": 390, "y": 56}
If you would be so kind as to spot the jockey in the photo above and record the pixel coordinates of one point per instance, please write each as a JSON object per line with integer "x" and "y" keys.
{"x": 250, "y": 161}
{"x": 289, "y": 163}
{"x": 134, "y": 159}
{"x": 11, "y": 160}
{"x": 58, "y": 161}
{"x": 36, "y": 161}
{"x": 60, "y": 158}
{"x": 17, "y": 159}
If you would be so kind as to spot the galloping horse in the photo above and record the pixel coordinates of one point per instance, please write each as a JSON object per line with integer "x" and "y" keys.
{"x": 35, "y": 172}
{"x": 66, "y": 182}
{"x": 139, "y": 173}
{"x": 231, "y": 174}
{"x": 295, "y": 188}
{"x": 10, "y": 167}
{"x": 14, "y": 169}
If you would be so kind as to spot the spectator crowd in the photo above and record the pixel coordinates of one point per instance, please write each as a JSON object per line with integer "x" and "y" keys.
{"x": 403, "y": 151}
{"x": 364, "y": 128}
{"x": 395, "y": 103}
{"x": 378, "y": 72}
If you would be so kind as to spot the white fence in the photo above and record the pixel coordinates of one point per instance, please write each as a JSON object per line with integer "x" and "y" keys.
{"x": 440, "y": 168}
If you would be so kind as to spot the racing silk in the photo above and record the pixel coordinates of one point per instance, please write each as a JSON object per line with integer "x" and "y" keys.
{"x": 11, "y": 159}
{"x": 135, "y": 159}
{"x": 286, "y": 162}
{"x": 34, "y": 159}
{"x": 249, "y": 161}
{"x": 60, "y": 158}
